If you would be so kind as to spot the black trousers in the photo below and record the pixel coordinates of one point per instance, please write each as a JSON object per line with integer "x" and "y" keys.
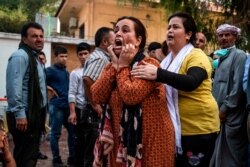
{"x": 197, "y": 150}
{"x": 86, "y": 134}
{"x": 26, "y": 145}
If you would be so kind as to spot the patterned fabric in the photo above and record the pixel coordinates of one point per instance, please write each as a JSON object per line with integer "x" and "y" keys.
{"x": 130, "y": 148}
{"x": 105, "y": 141}
{"x": 95, "y": 63}
{"x": 157, "y": 128}
{"x": 228, "y": 28}
{"x": 130, "y": 151}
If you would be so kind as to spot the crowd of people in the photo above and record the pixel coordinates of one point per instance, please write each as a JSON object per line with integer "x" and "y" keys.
{"x": 168, "y": 106}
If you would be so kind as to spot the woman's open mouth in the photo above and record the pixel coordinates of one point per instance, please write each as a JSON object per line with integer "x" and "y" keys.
{"x": 118, "y": 46}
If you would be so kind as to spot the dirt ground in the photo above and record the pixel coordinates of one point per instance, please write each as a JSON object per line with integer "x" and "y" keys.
{"x": 45, "y": 149}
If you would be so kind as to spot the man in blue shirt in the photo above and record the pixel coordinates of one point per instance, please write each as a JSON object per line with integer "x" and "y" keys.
{"x": 58, "y": 80}
{"x": 27, "y": 95}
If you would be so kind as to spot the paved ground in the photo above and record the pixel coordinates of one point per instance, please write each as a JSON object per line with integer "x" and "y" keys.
{"x": 45, "y": 148}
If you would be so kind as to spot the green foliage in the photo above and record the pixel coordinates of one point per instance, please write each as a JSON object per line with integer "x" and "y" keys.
{"x": 34, "y": 6}
{"x": 236, "y": 12}
{"x": 12, "y": 20}
{"x": 13, "y": 13}
{"x": 9, "y": 4}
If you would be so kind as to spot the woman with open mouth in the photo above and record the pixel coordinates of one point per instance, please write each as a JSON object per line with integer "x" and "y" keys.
{"x": 186, "y": 73}
{"x": 137, "y": 130}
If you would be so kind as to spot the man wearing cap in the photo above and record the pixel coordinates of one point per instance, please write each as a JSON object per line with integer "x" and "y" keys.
{"x": 231, "y": 145}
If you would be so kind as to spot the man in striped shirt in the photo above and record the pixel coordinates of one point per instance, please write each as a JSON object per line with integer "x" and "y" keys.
{"x": 99, "y": 58}
{"x": 93, "y": 67}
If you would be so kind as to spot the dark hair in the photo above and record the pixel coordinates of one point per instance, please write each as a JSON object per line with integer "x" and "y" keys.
{"x": 82, "y": 46}
{"x": 164, "y": 48}
{"x": 42, "y": 53}
{"x": 140, "y": 29}
{"x": 154, "y": 46}
{"x": 1, "y": 123}
{"x": 100, "y": 34}
{"x": 30, "y": 25}
{"x": 60, "y": 50}
{"x": 188, "y": 24}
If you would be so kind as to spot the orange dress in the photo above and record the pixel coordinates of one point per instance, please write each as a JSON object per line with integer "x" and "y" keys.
{"x": 157, "y": 128}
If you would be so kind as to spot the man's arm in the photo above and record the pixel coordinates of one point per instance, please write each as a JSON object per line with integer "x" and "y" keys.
{"x": 94, "y": 67}
{"x": 17, "y": 88}
{"x": 49, "y": 75}
{"x": 88, "y": 82}
{"x": 73, "y": 83}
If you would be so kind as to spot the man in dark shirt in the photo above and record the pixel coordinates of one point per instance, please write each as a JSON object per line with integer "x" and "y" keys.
{"x": 58, "y": 80}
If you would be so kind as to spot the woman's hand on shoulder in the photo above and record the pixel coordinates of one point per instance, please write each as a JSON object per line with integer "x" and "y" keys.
{"x": 145, "y": 71}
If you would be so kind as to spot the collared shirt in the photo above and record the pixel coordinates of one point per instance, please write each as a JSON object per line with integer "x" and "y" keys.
{"x": 95, "y": 63}
{"x": 17, "y": 81}
{"x": 58, "y": 78}
{"x": 76, "y": 90}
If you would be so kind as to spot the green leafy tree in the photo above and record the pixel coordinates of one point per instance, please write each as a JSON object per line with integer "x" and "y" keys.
{"x": 11, "y": 20}
{"x": 236, "y": 12}
{"x": 13, "y": 13}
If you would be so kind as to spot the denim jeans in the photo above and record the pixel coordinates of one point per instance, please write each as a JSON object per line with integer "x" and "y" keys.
{"x": 59, "y": 117}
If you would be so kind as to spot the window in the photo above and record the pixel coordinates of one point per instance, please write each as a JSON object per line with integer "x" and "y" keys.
{"x": 82, "y": 31}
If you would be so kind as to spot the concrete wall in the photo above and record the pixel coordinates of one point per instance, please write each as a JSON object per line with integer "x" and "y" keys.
{"x": 152, "y": 18}
{"x": 9, "y": 43}
{"x": 98, "y": 13}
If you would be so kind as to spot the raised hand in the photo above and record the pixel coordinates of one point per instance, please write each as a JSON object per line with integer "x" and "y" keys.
{"x": 113, "y": 57}
{"x": 127, "y": 55}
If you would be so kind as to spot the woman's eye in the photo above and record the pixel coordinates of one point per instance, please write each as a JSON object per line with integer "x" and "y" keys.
{"x": 125, "y": 31}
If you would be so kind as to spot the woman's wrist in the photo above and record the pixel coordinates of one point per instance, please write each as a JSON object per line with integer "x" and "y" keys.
{"x": 115, "y": 65}
{"x": 7, "y": 156}
{"x": 121, "y": 66}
